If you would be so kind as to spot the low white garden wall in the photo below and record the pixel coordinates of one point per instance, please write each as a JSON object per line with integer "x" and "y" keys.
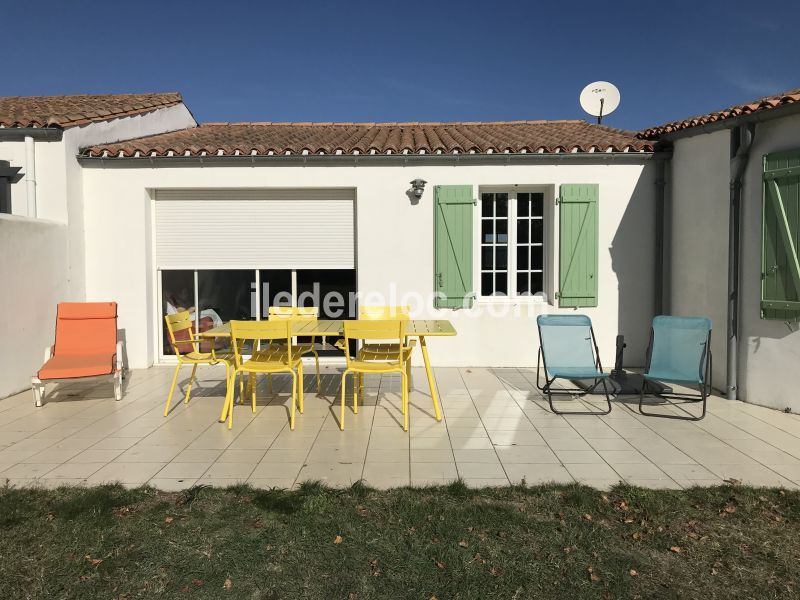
{"x": 34, "y": 277}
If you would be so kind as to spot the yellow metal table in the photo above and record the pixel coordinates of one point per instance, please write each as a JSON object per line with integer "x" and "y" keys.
{"x": 323, "y": 328}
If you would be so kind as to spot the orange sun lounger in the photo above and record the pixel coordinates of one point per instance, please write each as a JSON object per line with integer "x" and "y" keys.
{"x": 85, "y": 346}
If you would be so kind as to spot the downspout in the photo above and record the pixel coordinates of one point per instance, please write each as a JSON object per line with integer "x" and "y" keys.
{"x": 30, "y": 174}
{"x": 741, "y": 142}
{"x": 661, "y": 305}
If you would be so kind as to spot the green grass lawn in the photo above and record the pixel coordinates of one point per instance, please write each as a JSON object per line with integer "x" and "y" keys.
{"x": 450, "y": 542}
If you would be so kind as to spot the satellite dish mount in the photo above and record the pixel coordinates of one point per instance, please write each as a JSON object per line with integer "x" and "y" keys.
{"x": 599, "y": 99}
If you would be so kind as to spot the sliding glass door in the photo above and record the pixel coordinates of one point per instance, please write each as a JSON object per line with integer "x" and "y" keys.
{"x": 215, "y": 296}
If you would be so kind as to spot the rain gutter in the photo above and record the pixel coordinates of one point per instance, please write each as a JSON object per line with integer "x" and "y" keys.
{"x": 375, "y": 160}
{"x": 18, "y": 134}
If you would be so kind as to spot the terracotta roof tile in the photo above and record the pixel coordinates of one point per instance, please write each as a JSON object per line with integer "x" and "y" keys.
{"x": 382, "y": 138}
{"x": 71, "y": 111}
{"x": 762, "y": 104}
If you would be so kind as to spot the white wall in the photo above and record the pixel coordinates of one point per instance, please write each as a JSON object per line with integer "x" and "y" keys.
{"x": 71, "y": 194}
{"x": 33, "y": 269}
{"x": 394, "y": 245}
{"x": 770, "y": 353}
{"x": 699, "y": 202}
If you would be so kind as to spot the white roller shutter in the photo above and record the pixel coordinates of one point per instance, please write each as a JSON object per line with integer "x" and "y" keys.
{"x": 265, "y": 228}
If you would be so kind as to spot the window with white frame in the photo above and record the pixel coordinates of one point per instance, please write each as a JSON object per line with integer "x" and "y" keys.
{"x": 512, "y": 252}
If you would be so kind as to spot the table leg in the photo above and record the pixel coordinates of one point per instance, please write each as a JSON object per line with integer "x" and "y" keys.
{"x": 431, "y": 378}
{"x": 227, "y": 405}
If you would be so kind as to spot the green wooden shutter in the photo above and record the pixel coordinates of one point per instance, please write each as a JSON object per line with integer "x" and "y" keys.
{"x": 578, "y": 235}
{"x": 453, "y": 205}
{"x": 780, "y": 265}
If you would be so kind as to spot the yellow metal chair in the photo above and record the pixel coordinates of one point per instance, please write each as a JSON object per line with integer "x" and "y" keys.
{"x": 390, "y": 333}
{"x": 277, "y": 356}
{"x": 186, "y": 346}
{"x": 384, "y": 351}
{"x": 298, "y": 313}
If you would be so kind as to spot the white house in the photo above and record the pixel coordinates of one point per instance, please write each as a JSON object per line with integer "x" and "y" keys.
{"x": 514, "y": 219}
{"x": 241, "y": 205}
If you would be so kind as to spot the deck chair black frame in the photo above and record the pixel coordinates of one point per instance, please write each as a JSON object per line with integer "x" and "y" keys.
{"x": 599, "y": 377}
{"x": 704, "y": 386}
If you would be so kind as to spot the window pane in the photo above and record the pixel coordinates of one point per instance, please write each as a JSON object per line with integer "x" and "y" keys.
{"x": 487, "y": 205}
{"x": 177, "y": 290}
{"x": 330, "y": 290}
{"x": 537, "y": 283}
{"x": 502, "y": 231}
{"x": 523, "y": 205}
{"x": 537, "y": 260}
{"x": 537, "y": 205}
{"x": 486, "y": 284}
{"x": 501, "y": 284}
{"x": 227, "y": 295}
{"x": 501, "y": 258}
{"x": 522, "y": 284}
{"x": 487, "y": 231}
{"x": 522, "y": 258}
{"x": 276, "y": 290}
{"x": 487, "y": 258}
{"x": 501, "y": 205}
{"x": 537, "y": 231}
{"x": 522, "y": 231}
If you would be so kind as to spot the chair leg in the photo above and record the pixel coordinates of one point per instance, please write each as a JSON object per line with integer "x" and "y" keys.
{"x": 118, "y": 385}
{"x": 172, "y": 388}
{"x": 319, "y": 379}
{"x": 253, "y": 386}
{"x": 356, "y": 378}
{"x": 38, "y": 391}
{"x": 404, "y": 396}
{"x": 641, "y": 395}
{"x": 294, "y": 401}
{"x": 549, "y": 393}
{"x": 344, "y": 390}
{"x": 228, "y": 392}
{"x": 191, "y": 381}
{"x": 241, "y": 391}
{"x": 300, "y": 399}
{"x": 608, "y": 399}
{"x": 704, "y": 396}
{"x": 241, "y": 387}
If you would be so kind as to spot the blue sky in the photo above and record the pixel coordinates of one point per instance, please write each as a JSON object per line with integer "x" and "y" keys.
{"x": 406, "y": 61}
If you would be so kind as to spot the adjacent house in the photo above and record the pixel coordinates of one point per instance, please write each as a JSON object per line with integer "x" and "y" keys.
{"x": 733, "y": 231}
{"x": 486, "y": 224}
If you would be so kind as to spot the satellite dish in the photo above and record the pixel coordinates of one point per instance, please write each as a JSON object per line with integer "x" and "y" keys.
{"x": 599, "y": 99}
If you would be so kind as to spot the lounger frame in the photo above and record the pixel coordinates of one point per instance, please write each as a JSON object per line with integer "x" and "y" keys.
{"x": 116, "y": 376}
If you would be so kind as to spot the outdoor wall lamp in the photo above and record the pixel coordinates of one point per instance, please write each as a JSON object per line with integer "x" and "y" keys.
{"x": 418, "y": 187}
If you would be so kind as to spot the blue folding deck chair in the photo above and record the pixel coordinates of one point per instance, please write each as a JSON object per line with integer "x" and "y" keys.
{"x": 679, "y": 352}
{"x": 568, "y": 350}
